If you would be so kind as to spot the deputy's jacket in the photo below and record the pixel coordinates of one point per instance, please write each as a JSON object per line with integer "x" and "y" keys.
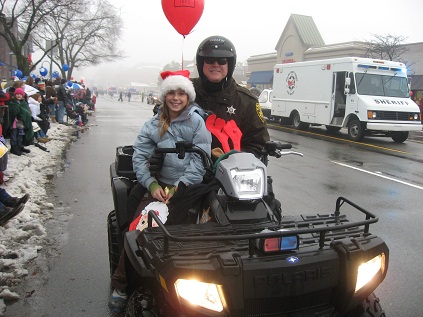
{"x": 234, "y": 102}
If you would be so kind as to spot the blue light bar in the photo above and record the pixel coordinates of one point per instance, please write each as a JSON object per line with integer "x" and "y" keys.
{"x": 366, "y": 66}
{"x": 289, "y": 243}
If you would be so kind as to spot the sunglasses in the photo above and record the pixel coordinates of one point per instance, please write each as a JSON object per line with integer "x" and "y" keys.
{"x": 212, "y": 60}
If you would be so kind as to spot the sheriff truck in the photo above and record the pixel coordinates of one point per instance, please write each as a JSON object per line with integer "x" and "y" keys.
{"x": 366, "y": 96}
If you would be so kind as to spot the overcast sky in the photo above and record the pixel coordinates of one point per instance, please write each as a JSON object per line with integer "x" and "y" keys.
{"x": 255, "y": 26}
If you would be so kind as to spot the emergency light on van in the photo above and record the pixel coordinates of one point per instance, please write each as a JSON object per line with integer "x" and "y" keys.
{"x": 366, "y": 66}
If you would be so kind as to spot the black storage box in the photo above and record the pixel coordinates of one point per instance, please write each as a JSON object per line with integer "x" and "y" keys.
{"x": 123, "y": 162}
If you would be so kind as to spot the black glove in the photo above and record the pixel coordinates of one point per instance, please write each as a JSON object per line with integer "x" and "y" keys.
{"x": 156, "y": 163}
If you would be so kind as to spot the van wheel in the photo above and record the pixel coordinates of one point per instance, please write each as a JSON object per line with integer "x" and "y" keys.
{"x": 400, "y": 136}
{"x": 113, "y": 242}
{"x": 355, "y": 130}
{"x": 296, "y": 122}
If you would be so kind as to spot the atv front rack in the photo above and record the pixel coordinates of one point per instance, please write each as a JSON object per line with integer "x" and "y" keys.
{"x": 326, "y": 227}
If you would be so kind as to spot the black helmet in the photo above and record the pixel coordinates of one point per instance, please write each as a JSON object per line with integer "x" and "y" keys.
{"x": 216, "y": 46}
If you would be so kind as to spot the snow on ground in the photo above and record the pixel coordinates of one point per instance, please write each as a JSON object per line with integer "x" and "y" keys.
{"x": 22, "y": 237}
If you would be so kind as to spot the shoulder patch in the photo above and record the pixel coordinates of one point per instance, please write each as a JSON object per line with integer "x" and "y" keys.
{"x": 259, "y": 112}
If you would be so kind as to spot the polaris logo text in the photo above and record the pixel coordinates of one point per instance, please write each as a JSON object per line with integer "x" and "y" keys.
{"x": 293, "y": 278}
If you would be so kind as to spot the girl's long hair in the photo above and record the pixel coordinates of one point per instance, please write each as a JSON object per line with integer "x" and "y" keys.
{"x": 164, "y": 119}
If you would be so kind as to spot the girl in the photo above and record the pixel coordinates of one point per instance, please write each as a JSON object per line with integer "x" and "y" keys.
{"x": 176, "y": 120}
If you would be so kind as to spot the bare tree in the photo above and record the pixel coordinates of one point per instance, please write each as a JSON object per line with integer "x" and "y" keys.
{"x": 387, "y": 47}
{"x": 18, "y": 19}
{"x": 86, "y": 35}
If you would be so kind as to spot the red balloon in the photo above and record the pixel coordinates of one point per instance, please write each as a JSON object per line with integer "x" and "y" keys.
{"x": 183, "y": 14}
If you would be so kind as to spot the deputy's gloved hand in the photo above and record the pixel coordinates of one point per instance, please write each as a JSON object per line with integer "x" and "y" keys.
{"x": 156, "y": 163}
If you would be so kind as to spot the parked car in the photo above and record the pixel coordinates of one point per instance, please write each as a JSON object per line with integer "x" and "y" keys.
{"x": 153, "y": 98}
{"x": 265, "y": 101}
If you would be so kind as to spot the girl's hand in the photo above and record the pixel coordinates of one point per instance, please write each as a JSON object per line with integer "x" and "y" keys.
{"x": 159, "y": 194}
{"x": 169, "y": 191}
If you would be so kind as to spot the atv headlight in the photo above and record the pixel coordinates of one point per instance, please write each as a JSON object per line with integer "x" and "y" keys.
{"x": 248, "y": 184}
{"x": 366, "y": 271}
{"x": 198, "y": 293}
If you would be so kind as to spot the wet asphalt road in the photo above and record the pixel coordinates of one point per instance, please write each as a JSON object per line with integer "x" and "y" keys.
{"x": 71, "y": 276}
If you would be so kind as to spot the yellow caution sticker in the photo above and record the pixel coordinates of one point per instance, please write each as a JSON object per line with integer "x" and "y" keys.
{"x": 259, "y": 112}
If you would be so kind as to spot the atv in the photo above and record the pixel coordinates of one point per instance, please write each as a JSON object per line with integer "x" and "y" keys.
{"x": 247, "y": 260}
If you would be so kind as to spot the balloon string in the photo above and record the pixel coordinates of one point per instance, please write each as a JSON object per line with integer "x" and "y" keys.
{"x": 183, "y": 40}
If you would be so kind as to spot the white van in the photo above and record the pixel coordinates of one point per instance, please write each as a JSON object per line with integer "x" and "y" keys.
{"x": 265, "y": 101}
{"x": 366, "y": 96}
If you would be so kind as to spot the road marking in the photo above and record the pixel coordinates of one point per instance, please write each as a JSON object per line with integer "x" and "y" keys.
{"x": 339, "y": 139}
{"x": 379, "y": 175}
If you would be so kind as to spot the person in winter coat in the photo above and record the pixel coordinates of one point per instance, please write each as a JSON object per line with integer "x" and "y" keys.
{"x": 19, "y": 123}
{"x": 51, "y": 99}
{"x": 62, "y": 98}
{"x": 217, "y": 92}
{"x": 40, "y": 115}
{"x": 4, "y": 99}
{"x": 177, "y": 120}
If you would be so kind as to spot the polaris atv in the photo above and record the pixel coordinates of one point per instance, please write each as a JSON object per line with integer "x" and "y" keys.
{"x": 246, "y": 260}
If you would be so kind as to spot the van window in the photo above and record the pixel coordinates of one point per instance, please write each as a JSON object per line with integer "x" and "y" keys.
{"x": 378, "y": 85}
{"x": 264, "y": 96}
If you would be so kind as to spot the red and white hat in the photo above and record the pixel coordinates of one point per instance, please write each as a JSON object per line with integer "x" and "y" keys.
{"x": 174, "y": 81}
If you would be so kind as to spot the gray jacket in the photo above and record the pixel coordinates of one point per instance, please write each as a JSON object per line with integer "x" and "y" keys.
{"x": 189, "y": 126}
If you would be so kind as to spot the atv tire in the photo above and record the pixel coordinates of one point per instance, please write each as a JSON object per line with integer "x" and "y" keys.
{"x": 141, "y": 302}
{"x": 370, "y": 307}
{"x": 113, "y": 239}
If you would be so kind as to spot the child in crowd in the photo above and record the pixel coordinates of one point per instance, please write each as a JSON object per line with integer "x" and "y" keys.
{"x": 20, "y": 123}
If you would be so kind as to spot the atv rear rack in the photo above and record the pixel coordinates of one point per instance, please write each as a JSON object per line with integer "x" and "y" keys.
{"x": 336, "y": 224}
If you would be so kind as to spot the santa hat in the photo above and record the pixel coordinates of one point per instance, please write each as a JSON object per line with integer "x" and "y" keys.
{"x": 174, "y": 81}
{"x": 19, "y": 91}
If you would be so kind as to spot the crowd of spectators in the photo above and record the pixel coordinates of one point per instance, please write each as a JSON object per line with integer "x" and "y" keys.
{"x": 27, "y": 108}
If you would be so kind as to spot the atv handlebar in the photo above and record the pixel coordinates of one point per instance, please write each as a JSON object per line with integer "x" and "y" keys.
{"x": 271, "y": 148}
{"x": 187, "y": 147}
